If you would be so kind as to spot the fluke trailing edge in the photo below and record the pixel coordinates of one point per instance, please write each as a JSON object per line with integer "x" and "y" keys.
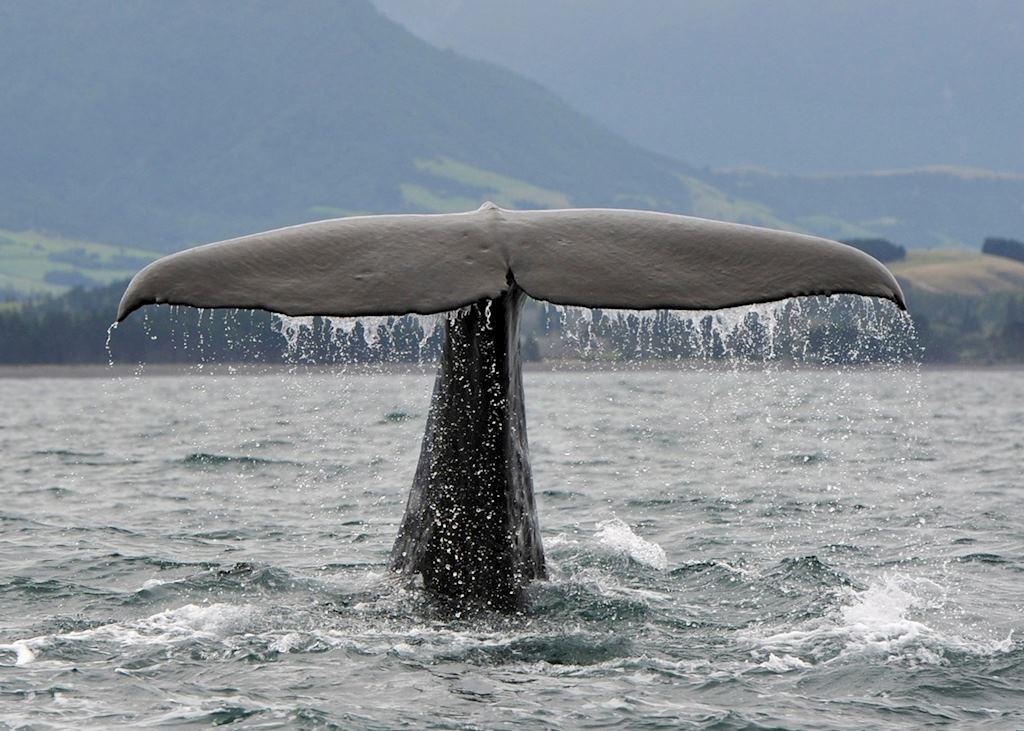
{"x": 393, "y": 265}
{"x": 470, "y": 527}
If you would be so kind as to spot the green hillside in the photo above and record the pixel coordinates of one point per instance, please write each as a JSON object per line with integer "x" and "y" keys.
{"x": 959, "y": 272}
{"x": 33, "y": 263}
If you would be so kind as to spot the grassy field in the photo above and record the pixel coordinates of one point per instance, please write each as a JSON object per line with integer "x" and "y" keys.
{"x": 483, "y": 184}
{"x": 960, "y": 272}
{"x": 710, "y": 202}
{"x": 36, "y": 263}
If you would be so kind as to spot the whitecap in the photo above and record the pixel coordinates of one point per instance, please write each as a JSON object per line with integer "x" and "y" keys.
{"x": 620, "y": 538}
{"x": 23, "y": 654}
{"x": 783, "y": 663}
{"x": 878, "y": 622}
{"x": 287, "y": 642}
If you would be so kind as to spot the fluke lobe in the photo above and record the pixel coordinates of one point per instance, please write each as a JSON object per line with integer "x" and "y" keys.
{"x": 470, "y": 526}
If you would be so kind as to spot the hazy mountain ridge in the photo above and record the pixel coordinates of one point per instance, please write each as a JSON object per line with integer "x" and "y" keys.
{"x": 206, "y": 120}
{"x": 924, "y": 207}
{"x": 794, "y": 85}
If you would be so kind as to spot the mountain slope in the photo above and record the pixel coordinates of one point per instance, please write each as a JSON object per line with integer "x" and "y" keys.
{"x": 154, "y": 123}
{"x": 794, "y": 85}
{"x": 925, "y": 207}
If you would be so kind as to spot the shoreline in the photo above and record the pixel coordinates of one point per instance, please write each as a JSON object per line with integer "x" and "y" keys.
{"x": 164, "y": 370}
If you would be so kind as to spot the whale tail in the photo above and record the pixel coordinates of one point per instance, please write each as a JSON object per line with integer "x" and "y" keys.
{"x": 470, "y": 527}
{"x": 423, "y": 264}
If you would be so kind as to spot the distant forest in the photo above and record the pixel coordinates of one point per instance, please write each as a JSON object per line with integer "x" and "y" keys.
{"x": 73, "y": 329}
{"x": 1007, "y": 248}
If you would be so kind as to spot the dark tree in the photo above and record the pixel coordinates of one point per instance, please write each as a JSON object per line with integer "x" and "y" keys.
{"x": 882, "y": 249}
{"x": 1008, "y": 248}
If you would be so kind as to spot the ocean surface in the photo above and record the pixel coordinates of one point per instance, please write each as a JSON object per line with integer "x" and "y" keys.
{"x": 729, "y": 548}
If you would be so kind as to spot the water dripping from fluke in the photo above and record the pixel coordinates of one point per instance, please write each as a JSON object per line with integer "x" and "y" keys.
{"x": 471, "y": 528}
{"x": 110, "y": 335}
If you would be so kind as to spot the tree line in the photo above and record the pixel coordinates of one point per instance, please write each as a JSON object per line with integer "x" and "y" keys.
{"x": 73, "y": 329}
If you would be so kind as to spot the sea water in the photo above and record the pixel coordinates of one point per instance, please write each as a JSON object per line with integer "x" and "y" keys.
{"x": 728, "y": 548}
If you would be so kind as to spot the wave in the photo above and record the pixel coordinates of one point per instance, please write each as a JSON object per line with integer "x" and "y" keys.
{"x": 398, "y": 416}
{"x": 65, "y": 453}
{"x": 243, "y": 578}
{"x": 173, "y": 626}
{"x": 250, "y": 632}
{"x": 206, "y": 459}
{"x": 874, "y": 623}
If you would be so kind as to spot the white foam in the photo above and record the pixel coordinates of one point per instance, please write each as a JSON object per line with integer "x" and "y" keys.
{"x": 783, "y": 663}
{"x": 23, "y": 654}
{"x": 877, "y": 622}
{"x": 212, "y": 621}
{"x": 619, "y": 537}
{"x": 558, "y": 541}
{"x": 287, "y": 642}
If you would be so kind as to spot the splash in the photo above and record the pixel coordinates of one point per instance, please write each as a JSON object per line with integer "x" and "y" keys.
{"x": 22, "y": 650}
{"x": 616, "y": 535}
{"x": 876, "y": 622}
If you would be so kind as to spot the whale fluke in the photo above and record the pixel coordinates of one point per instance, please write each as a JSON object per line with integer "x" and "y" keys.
{"x": 470, "y": 526}
{"x": 423, "y": 264}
